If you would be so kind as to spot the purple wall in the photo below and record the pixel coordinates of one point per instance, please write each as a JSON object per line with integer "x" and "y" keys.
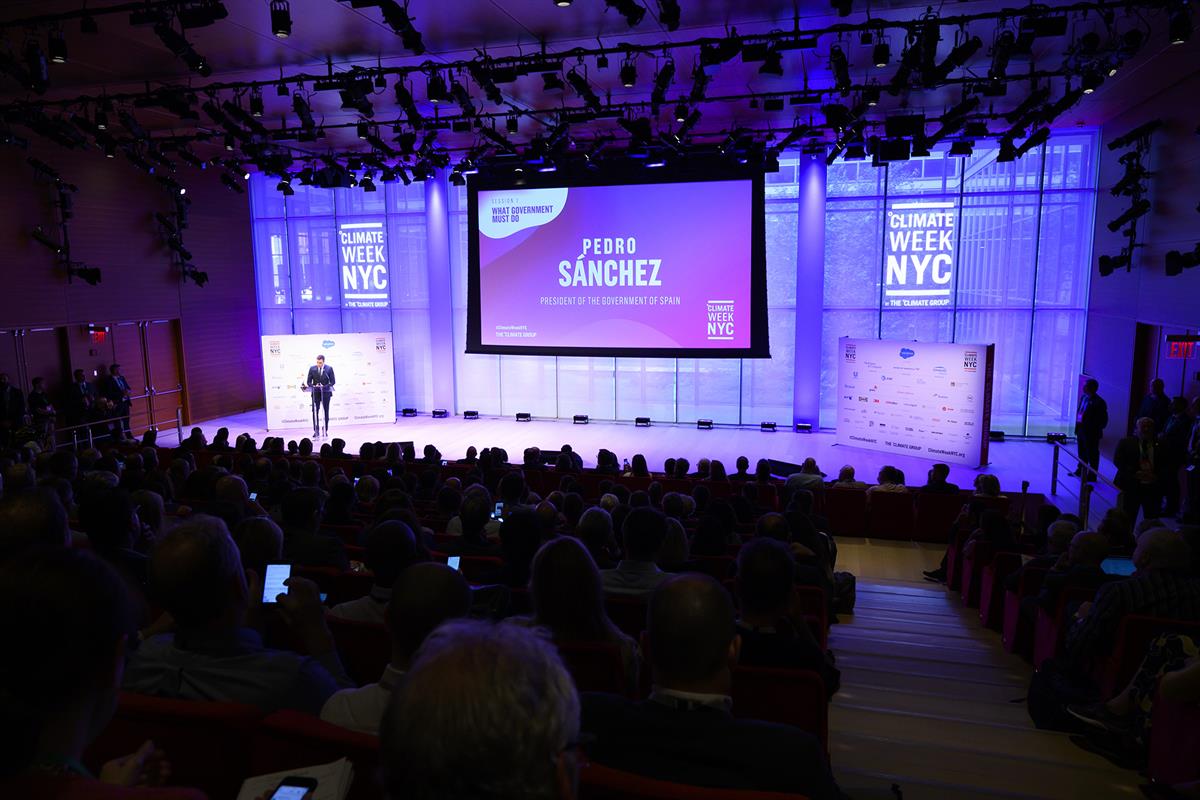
{"x": 1146, "y": 295}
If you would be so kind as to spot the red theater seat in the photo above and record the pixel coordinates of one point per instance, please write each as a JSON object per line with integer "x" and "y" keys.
{"x": 1174, "y": 742}
{"x": 1049, "y": 630}
{"x": 1114, "y": 670}
{"x": 789, "y": 696}
{"x": 289, "y": 740}
{"x": 595, "y": 666}
{"x": 480, "y": 569}
{"x": 935, "y": 514}
{"x": 627, "y": 612}
{"x": 719, "y": 567}
{"x": 972, "y": 571}
{"x": 991, "y": 588}
{"x": 890, "y": 516}
{"x": 597, "y": 782}
{"x": 365, "y": 648}
{"x": 1018, "y": 630}
{"x": 954, "y": 560}
{"x": 207, "y": 743}
{"x": 846, "y": 510}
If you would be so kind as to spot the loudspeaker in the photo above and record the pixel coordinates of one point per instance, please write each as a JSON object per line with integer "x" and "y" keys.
{"x": 470, "y": 415}
{"x": 704, "y": 424}
{"x": 641, "y": 422}
{"x": 580, "y": 419}
{"x": 767, "y": 426}
{"x": 440, "y": 413}
{"x": 803, "y": 427}
{"x": 408, "y": 412}
{"x": 524, "y": 416}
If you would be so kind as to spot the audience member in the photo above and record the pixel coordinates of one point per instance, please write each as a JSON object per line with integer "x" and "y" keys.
{"x": 1174, "y": 448}
{"x": 1079, "y": 569}
{"x": 846, "y": 479}
{"x": 685, "y": 732}
{"x": 260, "y": 542}
{"x": 1156, "y": 406}
{"x": 196, "y": 575}
{"x": 70, "y": 614}
{"x": 303, "y": 542}
{"x": 420, "y": 599}
{"x": 809, "y": 477}
{"x": 676, "y": 549}
{"x": 486, "y": 712}
{"x": 987, "y": 485}
{"x": 1160, "y": 587}
{"x": 938, "y": 482}
{"x": 890, "y": 479}
{"x": 772, "y": 635}
{"x": 1090, "y": 421}
{"x": 743, "y": 469}
{"x": 637, "y": 573}
{"x": 391, "y": 548}
{"x": 1142, "y": 471}
{"x": 32, "y": 521}
{"x": 1058, "y": 541}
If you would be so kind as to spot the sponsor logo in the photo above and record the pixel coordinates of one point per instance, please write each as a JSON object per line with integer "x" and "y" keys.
{"x": 380, "y": 344}
{"x": 971, "y": 361}
{"x": 275, "y": 347}
{"x": 906, "y": 352}
{"x": 939, "y": 370}
{"x": 328, "y": 343}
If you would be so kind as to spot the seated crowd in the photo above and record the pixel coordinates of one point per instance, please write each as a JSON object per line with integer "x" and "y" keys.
{"x": 141, "y": 570}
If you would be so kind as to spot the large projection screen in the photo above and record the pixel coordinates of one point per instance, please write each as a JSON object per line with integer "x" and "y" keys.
{"x": 926, "y": 399}
{"x": 365, "y": 389}
{"x": 674, "y": 268}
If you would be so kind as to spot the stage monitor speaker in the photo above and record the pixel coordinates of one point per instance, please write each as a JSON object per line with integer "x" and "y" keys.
{"x": 642, "y": 422}
{"x": 440, "y": 413}
{"x": 803, "y": 427}
{"x": 996, "y": 436}
{"x": 580, "y": 419}
{"x": 470, "y": 415}
{"x": 767, "y": 427}
{"x": 408, "y": 412}
{"x": 524, "y": 416}
{"x": 704, "y": 424}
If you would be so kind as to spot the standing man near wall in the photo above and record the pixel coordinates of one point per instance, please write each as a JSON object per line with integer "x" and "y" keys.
{"x": 1090, "y": 423}
{"x": 116, "y": 389}
{"x": 321, "y": 379}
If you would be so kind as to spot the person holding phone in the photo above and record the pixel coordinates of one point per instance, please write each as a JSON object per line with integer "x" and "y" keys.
{"x": 196, "y": 575}
{"x": 320, "y": 382}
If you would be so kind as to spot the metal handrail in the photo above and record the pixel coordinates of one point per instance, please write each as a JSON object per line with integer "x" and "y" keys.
{"x": 91, "y": 437}
{"x": 1088, "y": 477}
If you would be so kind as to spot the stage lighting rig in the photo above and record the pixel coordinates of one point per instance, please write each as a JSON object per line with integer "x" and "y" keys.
{"x": 89, "y": 275}
{"x": 1139, "y": 209}
{"x": 662, "y": 82}
{"x": 629, "y": 72}
{"x": 631, "y": 10}
{"x": 841, "y": 68}
{"x": 881, "y": 53}
{"x": 281, "y": 18}
{"x": 178, "y": 44}
{"x": 1177, "y": 261}
{"x": 480, "y": 74}
{"x": 713, "y": 54}
{"x": 1179, "y": 22}
{"x": 959, "y": 56}
{"x": 1139, "y": 136}
{"x": 56, "y": 46}
{"x": 582, "y": 88}
{"x": 773, "y": 64}
{"x": 40, "y": 236}
{"x": 842, "y": 7}
{"x": 1130, "y": 183}
{"x": 190, "y": 273}
{"x": 231, "y": 183}
{"x": 700, "y": 80}
{"x": 1002, "y": 51}
{"x": 1108, "y": 264}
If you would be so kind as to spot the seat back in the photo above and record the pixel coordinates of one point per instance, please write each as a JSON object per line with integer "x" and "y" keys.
{"x": 1018, "y": 630}
{"x": 991, "y": 588}
{"x": 208, "y": 743}
{"x": 1174, "y": 755}
{"x": 290, "y": 739}
{"x": 790, "y": 696}
{"x": 1134, "y": 636}
{"x": 628, "y": 612}
{"x": 811, "y": 602}
{"x": 597, "y": 782}
{"x": 478, "y": 569}
{"x": 846, "y": 510}
{"x": 890, "y": 515}
{"x": 719, "y": 567}
{"x": 972, "y": 571}
{"x": 595, "y": 666}
{"x": 365, "y": 648}
{"x": 1049, "y": 630}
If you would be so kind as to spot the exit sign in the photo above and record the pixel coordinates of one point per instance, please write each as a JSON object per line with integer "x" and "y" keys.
{"x": 1182, "y": 347}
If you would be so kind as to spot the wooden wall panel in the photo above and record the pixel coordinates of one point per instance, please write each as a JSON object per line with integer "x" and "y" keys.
{"x": 113, "y": 228}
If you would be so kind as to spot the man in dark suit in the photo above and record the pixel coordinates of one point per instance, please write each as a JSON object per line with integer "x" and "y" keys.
{"x": 321, "y": 381}
{"x": 12, "y": 409}
{"x": 1156, "y": 405}
{"x": 1090, "y": 423}
{"x": 1142, "y": 469}
{"x": 938, "y": 482}
{"x": 82, "y": 398}
{"x": 685, "y": 732}
{"x": 116, "y": 389}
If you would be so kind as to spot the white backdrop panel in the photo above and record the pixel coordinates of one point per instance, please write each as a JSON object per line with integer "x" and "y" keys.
{"x": 918, "y": 398}
{"x": 361, "y": 362}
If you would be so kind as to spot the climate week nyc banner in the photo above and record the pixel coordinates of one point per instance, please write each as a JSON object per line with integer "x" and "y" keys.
{"x": 919, "y": 251}
{"x": 362, "y": 365}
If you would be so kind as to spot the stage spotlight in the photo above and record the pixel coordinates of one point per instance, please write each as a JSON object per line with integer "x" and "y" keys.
{"x": 668, "y": 14}
{"x": 408, "y": 412}
{"x": 580, "y": 84}
{"x": 362, "y": 130}
{"x": 552, "y": 82}
{"x": 562, "y": 3}
{"x": 579, "y": 419}
{"x": 662, "y": 82}
{"x": 881, "y": 54}
{"x": 87, "y": 24}
{"x": 470, "y": 415}
{"x": 524, "y": 416}
{"x": 1179, "y": 22}
{"x": 628, "y": 73}
{"x": 1177, "y": 262}
{"x": 511, "y": 125}
{"x": 704, "y": 424}
{"x": 440, "y": 413}
{"x": 767, "y": 427}
{"x": 1002, "y": 50}
{"x": 231, "y": 183}
{"x": 641, "y": 422}
{"x": 1108, "y": 264}
{"x": 256, "y": 102}
{"x": 631, "y": 10}
{"x": 182, "y": 49}
{"x": 773, "y": 65}
{"x": 281, "y": 18}
{"x": 367, "y": 184}
{"x": 803, "y": 427}
{"x": 41, "y": 238}
{"x": 841, "y": 68}
{"x": 435, "y": 88}
{"x": 89, "y": 275}
{"x": 56, "y": 45}
{"x": 962, "y": 148}
{"x": 842, "y": 7}
{"x": 198, "y": 277}
{"x": 1139, "y": 209}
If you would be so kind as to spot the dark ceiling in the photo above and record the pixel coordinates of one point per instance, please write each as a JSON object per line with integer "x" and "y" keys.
{"x": 122, "y": 58}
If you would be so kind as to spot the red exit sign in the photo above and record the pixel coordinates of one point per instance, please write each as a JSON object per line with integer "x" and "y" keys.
{"x": 1181, "y": 347}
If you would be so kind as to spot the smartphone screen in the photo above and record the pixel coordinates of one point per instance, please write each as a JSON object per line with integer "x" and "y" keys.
{"x": 273, "y": 581}
{"x": 295, "y": 788}
{"x": 453, "y": 561}
{"x": 253, "y": 496}
{"x": 498, "y": 512}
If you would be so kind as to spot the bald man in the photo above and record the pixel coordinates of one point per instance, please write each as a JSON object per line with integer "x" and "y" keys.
{"x": 1079, "y": 569}
{"x": 422, "y": 598}
{"x": 1162, "y": 586}
{"x": 686, "y": 732}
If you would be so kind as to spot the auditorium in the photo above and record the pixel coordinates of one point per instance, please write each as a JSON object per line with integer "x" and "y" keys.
{"x": 599, "y": 400}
